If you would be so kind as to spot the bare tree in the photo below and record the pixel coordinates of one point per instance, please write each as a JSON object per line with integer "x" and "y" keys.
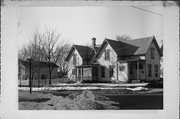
{"x": 54, "y": 49}
{"x": 63, "y": 50}
{"x": 123, "y": 37}
{"x": 48, "y": 47}
{"x": 32, "y": 51}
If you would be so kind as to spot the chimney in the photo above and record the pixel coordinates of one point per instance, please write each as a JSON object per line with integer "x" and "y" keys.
{"x": 93, "y": 42}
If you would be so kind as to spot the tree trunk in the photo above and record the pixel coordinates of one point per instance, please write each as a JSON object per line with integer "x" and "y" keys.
{"x": 49, "y": 73}
{"x": 50, "y": 79}
{"x": 39, "y": 78}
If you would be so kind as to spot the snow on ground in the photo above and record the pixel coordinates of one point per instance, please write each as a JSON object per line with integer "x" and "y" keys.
{"x": 83, "y": 101}
{"x": 103, "y": 84}
{"x": 93, "y": 86}
{"x": 64, "y": 88}
{"x": 137, "y": 89}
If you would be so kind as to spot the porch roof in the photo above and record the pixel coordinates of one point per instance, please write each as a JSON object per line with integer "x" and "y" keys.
{"x": 131, "y": 60}
{"x": 87, "y": 66}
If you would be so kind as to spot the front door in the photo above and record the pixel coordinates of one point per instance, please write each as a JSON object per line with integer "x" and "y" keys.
{"x": 132, "y": 72}
{"x": 142, "y": 70}
{"x": 94, "y": 73}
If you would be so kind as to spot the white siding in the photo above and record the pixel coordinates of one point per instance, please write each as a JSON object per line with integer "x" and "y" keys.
{"x": 122, "y": 74}
{"x": 101, "y": 60}
{"x": 153, "y": 62}
{"x": 71, "y": 66}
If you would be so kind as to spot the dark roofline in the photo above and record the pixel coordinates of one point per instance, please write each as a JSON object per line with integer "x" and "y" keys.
{"x": 161, "y": 50}
{"x": 69, "y": 54}
{"x": 153, "y": 40}
{"x": 74, "y": 46}
{"x": 104, "y": 42}
{"x": 156, "y": 44}
{"x": 40, "y": 63}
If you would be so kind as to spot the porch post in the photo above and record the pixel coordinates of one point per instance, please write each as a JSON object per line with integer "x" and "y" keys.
{"x": 91, "y": 74}
{"x": 82, "y": 75}
{"x": 76, "y": 73}
{"x": 138, "y": 70}
{"x": 117, "y": 71}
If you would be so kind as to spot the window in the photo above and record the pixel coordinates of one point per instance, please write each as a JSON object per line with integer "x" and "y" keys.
{"x": 107, "y": 54}
{"x": 74, "y": 59}
{"x": 111, "y": 71}
{"x": 131, "y": 70}
{"x": 102, "y": 71}
{"x": 152, "y": 53}
{"x": 156, "y": 70}
{"x": 140, "y": 66}
{"x": 121, "y": 68}
{"x": 149, "y": 70}
{"x": 79, "y": 71}
{"x": 74, "y": 71}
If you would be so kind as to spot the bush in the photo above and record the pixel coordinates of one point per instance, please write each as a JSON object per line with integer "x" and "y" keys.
{"x": 71, "y": 81}
{"x": 156, "y": 84}
{"x": 95, "y": 81}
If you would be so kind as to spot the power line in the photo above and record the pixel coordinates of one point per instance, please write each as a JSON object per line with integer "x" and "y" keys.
{"x": 147, "y": 11}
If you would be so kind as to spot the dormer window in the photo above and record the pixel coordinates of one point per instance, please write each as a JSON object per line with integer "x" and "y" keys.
{"x": 74, "y": 59}
{"x": 152, "y": 50}
{"x": 107, "y": 54}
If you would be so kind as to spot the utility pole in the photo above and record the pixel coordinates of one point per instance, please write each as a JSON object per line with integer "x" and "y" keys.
{"x": 30, "y": 85}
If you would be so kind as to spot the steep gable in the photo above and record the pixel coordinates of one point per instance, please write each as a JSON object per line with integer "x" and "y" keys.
{"x": 85, "y": 52}
{"x": 121, "y": 48}
{"x": 131, "y": 47}
{"x": 142, "y": 44}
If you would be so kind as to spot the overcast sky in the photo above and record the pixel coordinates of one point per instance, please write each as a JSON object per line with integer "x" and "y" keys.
{"x": 80, "y": 24}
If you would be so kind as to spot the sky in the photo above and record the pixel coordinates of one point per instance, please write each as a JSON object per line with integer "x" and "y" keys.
{"x": 78, "y": 24}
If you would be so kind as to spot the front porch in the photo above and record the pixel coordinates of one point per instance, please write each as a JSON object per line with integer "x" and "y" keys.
{"x": 135, "y": 70}
{"x": 86, "y": 73}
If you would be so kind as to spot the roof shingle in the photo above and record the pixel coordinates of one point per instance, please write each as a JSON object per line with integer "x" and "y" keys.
{"x": 131, "y": 47}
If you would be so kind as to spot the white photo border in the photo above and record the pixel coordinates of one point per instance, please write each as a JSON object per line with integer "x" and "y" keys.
{"x": 9, "y": 66}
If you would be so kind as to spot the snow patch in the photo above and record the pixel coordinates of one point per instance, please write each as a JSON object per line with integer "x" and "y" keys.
{"x": 83, "y": 101}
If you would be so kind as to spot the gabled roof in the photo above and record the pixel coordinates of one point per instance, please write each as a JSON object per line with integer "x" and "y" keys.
{"x": 97, "y": 47}
{"x": 85, "y": 52}
{"x": 131, "y": 47}
{"x": 37, "y": 63}
{"x": 121, "y": 48}
{"x": 161, "y": 50}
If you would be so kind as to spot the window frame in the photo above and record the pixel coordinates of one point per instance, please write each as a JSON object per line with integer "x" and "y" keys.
{"x": 74, "y": 71}
{"x": 102, "y": 71}
{"x": 107, "y": 54}
{"x": 152, "y": 53}
{"x": 74, "y": 59}
{"x": 122, "y": 68}
{"x": 156, "y": 70}
{"x": 131, "y": 70}
{"x": 149, "y": 70}
{"x": 141, "y": 66}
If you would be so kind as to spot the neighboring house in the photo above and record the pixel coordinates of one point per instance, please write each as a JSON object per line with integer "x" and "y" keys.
{"x": 39, "y": 70}
{"x": 123, "y": 61}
